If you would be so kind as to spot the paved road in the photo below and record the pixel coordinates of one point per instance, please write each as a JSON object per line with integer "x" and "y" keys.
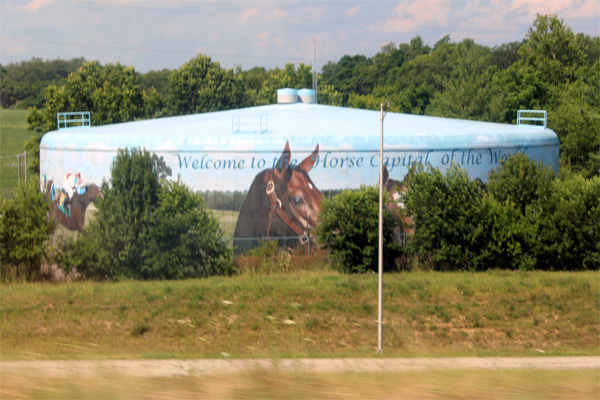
{"x": 155, "y": 368}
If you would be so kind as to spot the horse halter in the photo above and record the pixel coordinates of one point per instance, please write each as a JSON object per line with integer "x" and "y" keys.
{"x": 276, "y": 208}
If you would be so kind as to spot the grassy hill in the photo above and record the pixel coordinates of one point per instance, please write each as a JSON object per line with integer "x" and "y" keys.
{"x": 305, "y": 314}
{"x": 13, "y": 135}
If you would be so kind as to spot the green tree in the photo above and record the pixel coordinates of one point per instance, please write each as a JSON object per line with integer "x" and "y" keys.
{"x": 148, "y": 228}
{"x": 122, "y": 224}
{"x": 515, "y": 209}
{"x": 23, "y": 83}
{"x": 349, "y": 227}
{"x": 522, "y": 181}
{"x": 329, "y": 96}
{"x": 25, "y": 230}
{"x": 201, "y": 85}
{"x": 186, "y": 240}
{"x": 289, "y": 77}
{"x": 464, "y": 91}
{"x": 446, "y": 210}
{"x": 553, "y": 49}
{"x": 111, "y": 93}
{"x": 576, "y": 120}
{"x": 569, "y": 229}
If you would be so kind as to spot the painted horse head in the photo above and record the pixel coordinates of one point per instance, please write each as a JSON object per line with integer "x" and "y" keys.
{"x": 282, "y": 202}
{"x": 397, "y": 190}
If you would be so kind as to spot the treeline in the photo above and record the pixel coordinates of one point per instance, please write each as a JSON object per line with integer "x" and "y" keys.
{"x": 552, "y": 69}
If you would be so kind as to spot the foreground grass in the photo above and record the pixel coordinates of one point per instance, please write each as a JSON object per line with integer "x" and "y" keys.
{"x": 13, "y": 135}
{"x": 460, "y": 384}
{"x": 304, "y": 314}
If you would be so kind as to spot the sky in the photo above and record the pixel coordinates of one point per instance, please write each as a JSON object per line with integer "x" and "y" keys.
{"x": 159, "y": 34}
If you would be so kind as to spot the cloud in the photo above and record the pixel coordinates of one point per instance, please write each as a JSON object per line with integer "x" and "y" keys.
{"x": 35, "y": 5}
{"x": 247, "y": 14}
{"x": 276, "y": 14}
{"x": 411, "y": 15}
{"x": 351, "y": 12}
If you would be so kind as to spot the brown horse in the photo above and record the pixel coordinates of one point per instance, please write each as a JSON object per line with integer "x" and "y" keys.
{"x": 397, "y": 189}
{"x": 282, "y": 202}
{"x": 72, "y": 214}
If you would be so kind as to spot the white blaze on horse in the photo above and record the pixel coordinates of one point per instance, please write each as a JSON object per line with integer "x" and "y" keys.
{"x": 282, "y": 202}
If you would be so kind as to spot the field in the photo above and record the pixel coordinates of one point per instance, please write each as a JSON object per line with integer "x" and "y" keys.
{"x": 13, "y": 135}
{"x": 305, "y": 314}
{"x": 227, "y": 221}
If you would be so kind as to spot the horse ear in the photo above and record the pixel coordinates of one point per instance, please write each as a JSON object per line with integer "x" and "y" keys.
{"x": 386, "y": 176}
{"x": 310, "y": 161}
{"x": 284, "y": 161}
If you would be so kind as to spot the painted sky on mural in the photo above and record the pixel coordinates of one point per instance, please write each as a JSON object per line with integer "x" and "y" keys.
{"x": 152, "y": 35}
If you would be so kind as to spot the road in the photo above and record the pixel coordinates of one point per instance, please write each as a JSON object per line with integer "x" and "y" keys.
{"x": 157, "y": 368}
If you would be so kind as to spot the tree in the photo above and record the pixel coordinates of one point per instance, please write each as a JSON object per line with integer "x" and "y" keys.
{"x": 446, "y": 210}
{"x": 110, "y": 93}
{"x": 289, "y": 77}
{"x": 349, "y": 227}
{"x": 121, "y": 228}
{"x": 569, "y": 232}
{"x": 464, "y": 93}
{"x": 148, "y": 228}
{"x": 553, "y": 49}
{"x": 521, "y": 180}
{"x": 201, "y": 85}
{"x": 23, "y": 83}
{"x": 25, "y": 229}
{"x": 186, "y": 240}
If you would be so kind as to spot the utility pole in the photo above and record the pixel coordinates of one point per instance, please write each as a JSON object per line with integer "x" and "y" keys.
{"x": 380, "y": 281}
{"x": 314, "y": 78}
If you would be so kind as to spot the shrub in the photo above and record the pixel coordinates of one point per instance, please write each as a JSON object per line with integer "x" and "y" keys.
{"x": 521, "y": 181}
{"x": 25, "y": 230}
{"x": 570, "y": 226}
{"x": 185, "y": 238}
{"x": 446, "y": 209}
{"x": 350, "y": 227}
{"x": 528, "y": 219}
{"x": 145, "y": 229}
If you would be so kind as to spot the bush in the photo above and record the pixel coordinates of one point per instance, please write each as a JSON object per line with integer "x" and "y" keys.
{"x": 25, "y": 230}
{"x": 570, "y": 224}
{"x": 528, "y": 219}
{"x": 447, "y": 213}
{"x": 521, "y": 181}
{"x": 350, "y": 227}
{"x": 185, "y": 238}
{"x": 145, "y": 229}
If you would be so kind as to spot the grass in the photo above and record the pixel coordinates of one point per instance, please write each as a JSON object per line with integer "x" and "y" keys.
{"x": 13, "y": 135}
{"x": 304, "y": 314}
{"x": 460, "y": 384}
{"x": 227, "y": 221}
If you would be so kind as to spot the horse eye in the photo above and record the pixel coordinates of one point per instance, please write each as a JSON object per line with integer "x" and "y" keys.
{"x": 297, "y": 200}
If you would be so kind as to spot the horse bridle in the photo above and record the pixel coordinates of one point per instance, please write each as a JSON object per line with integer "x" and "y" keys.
{"x": 277, "y": 208}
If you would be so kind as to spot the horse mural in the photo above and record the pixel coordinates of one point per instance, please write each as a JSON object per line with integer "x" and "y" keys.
{"x": 282, "y": 202}
{"x": 397, "y": 189}
{"x": 70, "y": 210}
